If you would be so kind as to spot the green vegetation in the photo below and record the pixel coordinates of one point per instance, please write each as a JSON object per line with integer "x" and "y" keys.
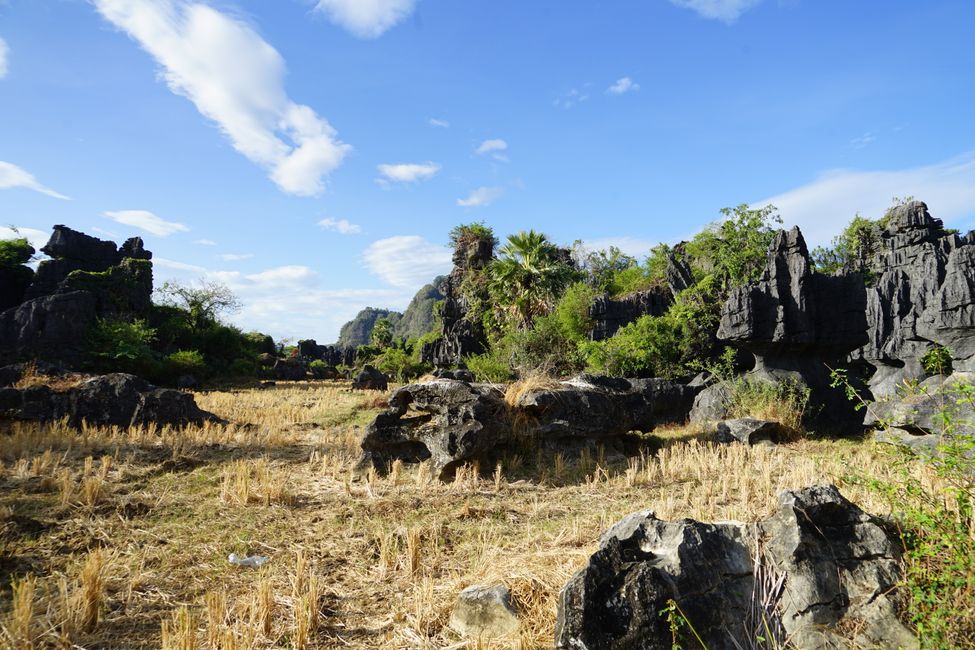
{"x": 937, "y": 361}
{"x": 15, "y": 277}
{"x": 851, "y": 250}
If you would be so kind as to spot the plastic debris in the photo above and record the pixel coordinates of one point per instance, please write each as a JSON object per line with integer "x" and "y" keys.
{"x": 251, "y": 560}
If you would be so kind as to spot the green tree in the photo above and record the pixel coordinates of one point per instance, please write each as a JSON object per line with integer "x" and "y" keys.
{"x": 852, "y": 250}
{"x": 528, "y": 277}
{"x": 735, "y": 250}
{"x": 204, "y": 303}
{"x": 382, "y": 334}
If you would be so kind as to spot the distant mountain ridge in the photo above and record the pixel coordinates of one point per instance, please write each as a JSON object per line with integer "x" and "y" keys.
{"x": 417, "y": 320}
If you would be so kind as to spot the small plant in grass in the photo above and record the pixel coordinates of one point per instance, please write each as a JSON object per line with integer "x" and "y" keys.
{"x": 934, "y": 512}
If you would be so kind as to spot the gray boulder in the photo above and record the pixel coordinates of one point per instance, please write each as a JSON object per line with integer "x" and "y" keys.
{"x": 293, "y": 369}
{"x": 711, "y": 404}
{"x": 108, "y": 400}
{"x": 450, "y": 423}
{"x": 50, "y": 327}
{"x": 369, "y": 378}
{"x": 485, "y": 612}
{"x": 748, "y": 431}
{"x": 832, "y": 576}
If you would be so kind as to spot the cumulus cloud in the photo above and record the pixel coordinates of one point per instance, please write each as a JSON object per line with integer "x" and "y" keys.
{"x": 442, "y": 124}
{"x": 4, "y": 56}
{"x": 236, "y": 79}
{"x": 406, "y": 261}
{"x": 622, "y": 86}
{"x": 480, "y": 197}
{"x": 727, "y": 11}
{"x": 147, "y": 221}
{"x": 366, "y": 18}
{"x": 408, "y": 172}
{"x": 12, "y": 176}
{"x": 174, "y": 265}
{"x": 824, "y": 206}
{"x": 341, "y": 226}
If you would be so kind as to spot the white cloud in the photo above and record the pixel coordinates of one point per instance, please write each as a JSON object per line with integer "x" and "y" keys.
{"x": 571, "y": 98}
{"x": 443, "y": 124}
{"x": 341, "y": 226}
{"x": 12, "y": 176}
{"x": 366, "y": 18}
{"x": 406, "y": 261}
{"x": 408, "y": 172}
{"x": 236, "y": 79}
{"x": 823, "y": 207}
{"x": 622, "y": 86}
{"x": 236, "y": 257}
{"x": 726, "y": 11}
{"x": 493, "y": 147}
{"x": 4, "y": 56}
{"x": 863, "y": 140}
{"x": 481, "y": 196}
{"x": 37, "y": 238}
{"x": 145, "y": 220}
{"x": 204, "y": 242}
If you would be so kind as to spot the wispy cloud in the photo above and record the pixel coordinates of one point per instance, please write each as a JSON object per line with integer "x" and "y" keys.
{"x": 236, "y": 257}
{"x": 824, "y": 206}
{"x": 12, "y": 176}
{"x": 174, "y": 265}
{"x": 571, "y": 98}
{"x": 622, "y": 86}
{"x": 366, "y": 18}
{"x": 862, "y": 141}
{"x": 481, "y": 196}
{"x": 727, "y": 11}
{"x": 406, "y": 261}
{"x": 236, "y": 79}
{"x": 145, "y": 220}
{"x": 633, "y": 246}
{"x": 440, "y": 124}
{"x": 407, "y": 172}
{"x": 4, "y": 57}
{"x": 495, "y": 148}
{"x": 341, "y": 226}
{"x": 204, "y": 242}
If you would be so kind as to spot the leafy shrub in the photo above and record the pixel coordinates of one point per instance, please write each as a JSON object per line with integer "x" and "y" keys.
{"x": 400, "y": 364}
{"x": 490, "y": 367}
{"x": 734, "y": 251}
{"x": 937, "y": 361}
{"x": 851, "y": 250}
{"x": 122, "y": 346}
{"x": 184, "y": 362}
{"x": 242, "y": 368}
{"x": 647, "y": 347}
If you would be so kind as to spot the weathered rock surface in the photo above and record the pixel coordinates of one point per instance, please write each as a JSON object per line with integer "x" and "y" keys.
{"x": 369, "y": 378}
{"x": 50, "y": 327}
{"x": 610, "y": 314}
{"x": 485, "y": 612}
{"x": 839, "y": 572}
{"x": 748, "y": 431}
{"x": 108, "y": 400}
{"x": 446, "y": 422}
{"x": 452, "y": 422}
{"x": 711, "y": 404}
{"x": 918, "y": 419}
{"x": 292, "y": 369}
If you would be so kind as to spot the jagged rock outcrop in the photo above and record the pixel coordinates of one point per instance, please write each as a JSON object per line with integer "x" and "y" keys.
{"x": 797, "y": 323}
{"x": 450, "y": 422}
{"x": 86, "y": 278}
{"x": 924, "y": 295}
{"x": 108, "y": 400}
{"x": 460, "y": 336}
{"x": 831, "y": 580}
{"x": 610, "y": 314}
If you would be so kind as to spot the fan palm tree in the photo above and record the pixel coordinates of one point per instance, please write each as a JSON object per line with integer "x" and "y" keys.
{"x": 528, "y": 276}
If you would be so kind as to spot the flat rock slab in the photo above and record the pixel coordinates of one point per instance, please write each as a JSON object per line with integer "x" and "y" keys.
{"x": 485, "y": 612}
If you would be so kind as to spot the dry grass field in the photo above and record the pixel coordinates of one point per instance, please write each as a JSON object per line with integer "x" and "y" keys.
{"x": 120, "y": 539}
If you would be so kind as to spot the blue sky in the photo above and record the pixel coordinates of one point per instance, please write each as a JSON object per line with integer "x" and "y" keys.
{"x": 314, "y": 155}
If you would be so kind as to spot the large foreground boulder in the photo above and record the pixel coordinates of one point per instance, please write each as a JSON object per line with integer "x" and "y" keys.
{"x": 451, "y": 422}
{"x": 108, "y": 400}
{"x": 820, "y": 572}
